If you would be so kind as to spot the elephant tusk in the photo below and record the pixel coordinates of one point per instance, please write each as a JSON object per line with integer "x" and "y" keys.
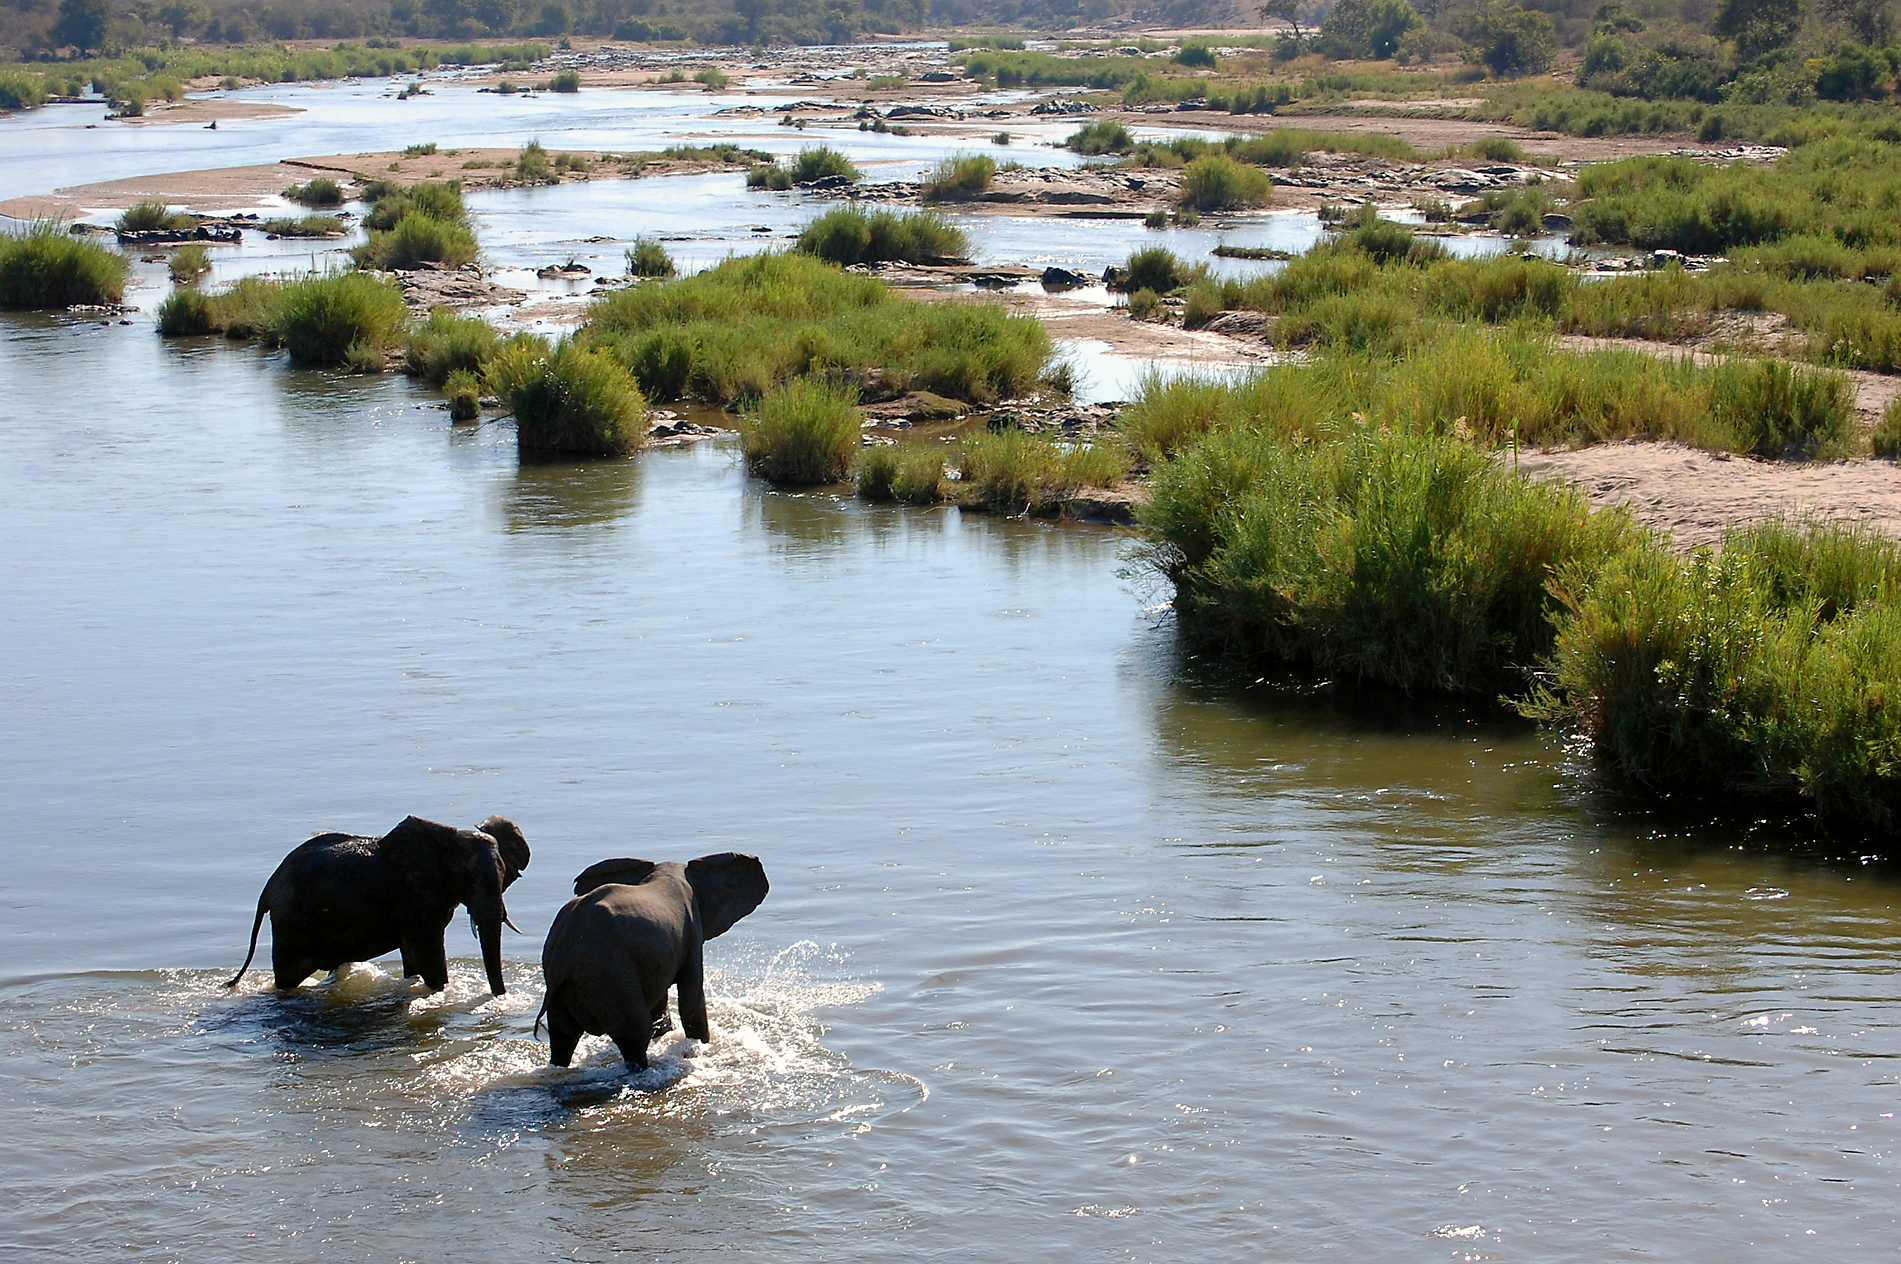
{"x": 509, "y": 922}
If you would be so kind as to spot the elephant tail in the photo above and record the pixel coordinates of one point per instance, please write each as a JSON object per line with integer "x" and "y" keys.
{"x": 262, "y": 908}
{"x": 541, "y": 1014}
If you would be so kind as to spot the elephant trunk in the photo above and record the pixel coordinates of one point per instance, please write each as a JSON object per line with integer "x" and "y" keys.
{"x": 488, "y": 919}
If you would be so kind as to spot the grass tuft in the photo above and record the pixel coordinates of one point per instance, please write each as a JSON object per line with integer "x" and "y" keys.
{"x": 47, "y": 268}
{"x": 574, "y": 401}
{"x": 804, "y": 432}
{"x": 959, "y": 178}
{"x": 848, "y": 234}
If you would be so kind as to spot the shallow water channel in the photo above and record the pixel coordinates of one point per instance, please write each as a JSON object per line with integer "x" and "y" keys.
{"x": 1072, "y": 952}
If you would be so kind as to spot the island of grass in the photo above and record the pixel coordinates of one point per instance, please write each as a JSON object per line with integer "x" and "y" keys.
{"x": 47, "y": 268}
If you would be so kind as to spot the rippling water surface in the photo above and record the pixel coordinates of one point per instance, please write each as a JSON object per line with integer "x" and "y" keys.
{"x": 1071, "y": 953}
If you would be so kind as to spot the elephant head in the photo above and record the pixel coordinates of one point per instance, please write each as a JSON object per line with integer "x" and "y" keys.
{"x": 440, "y": 866}
{"x": 726, "y": 886}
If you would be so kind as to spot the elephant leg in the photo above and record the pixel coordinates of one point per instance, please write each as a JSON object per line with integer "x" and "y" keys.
{"x": 563, "y": 1034}
{"x": 692, "y": 985}
{"x": 661, "y": 1023}
{"x": 633, "y": 1046}
{"x": 291, "y": 968}
{"x": 430, "y": 961}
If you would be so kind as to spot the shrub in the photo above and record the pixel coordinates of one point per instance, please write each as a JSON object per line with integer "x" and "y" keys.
{"x": 1154, "y": 268}
{"x": 339, "y": 318}
{"x": 959, "y": 178}
{"x": 821, "y": 162}
{"x": 1404, "y": 560}
{"x": 464, "y": 390}
{"x": 648, "y": 258}
{"x": 580, "y": 402}
{"x": 1201, "y": 304}
{"x": 390, "y": 204}
{"x": 768, "y": 175}
{"x": 566, "y": 81}
{"x": 1014, "y": 472}
{"x": 847, "y": 234}
{"x": 802, "y": 432}
{"x": 1775, "y": 409}
{"x": 1763, "y": 672}
{"x": 1217, "y": 182}
{"x": 308, "y": 226}
{"x": 515, "y": 361}
{"x": 320, "y": 191}
{"x": 419, "y": 151}
{"x": 186, "y": 313}
{"x": 152, "y": 217}
{"x": 188, "y": 263}
{"x": 1103, "y": 136}
{"x": 532, "y": 165}
{"x": 1144, "y": 304}
{"x": 47, "y": 268}
{"x": 447, "y": 343}
{"x": 1886, "y": 437}
{"x": 417, "y": 239}
{"x": 713, "y": 78}
{"x": 1497, "y": 149}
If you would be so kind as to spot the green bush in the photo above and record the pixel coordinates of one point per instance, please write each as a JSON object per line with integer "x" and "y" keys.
{"x": 188, "y": 263}
{"x": 566, "y": 81}
{"x": 339, "y": 318}
{"x": 1217, "y": 182}
{"x": 648, "y": 258}
{"x": 417, "y": 239}
{"x": 464, "y": 391}
{"x": 1144, "y": 304}
{"x": 769, "y": 176}
{"x": 821, "y": 162}
{"x": 1766, "y": 671}
{"x": 425, "y": 150}
{"x": 48, "y": 268}
{"x": 308, "y": 226}
{"x": 1014, "y": 472}
{"x": 959, "y": 178}
{"x": 803, "y": 432}
{"x": 1886, "y": 437}
{"x": 714, "y": 79}
{"x": 1154, "y": 268}
{"x": 848, "y": 234}
{"x": 533, "y": 166}
{"x": 151, "y": 217}
{"x": 320, "y": 191}
{"x": 1405, "y": 560}
{"x": 447, "y": 343}
{"x": 1103, "y": 136}
{"x": 186, "y": 313}
{"x": 909, "y": 473}
{"x": 391, "y": 204}
{"x": 578, "y": 402}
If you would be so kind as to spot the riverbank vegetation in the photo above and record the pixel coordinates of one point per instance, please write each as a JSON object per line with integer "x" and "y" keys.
{"x": 47, "y": 268}
{"x": 426, "y": 223}
{"x": 848, "y": 234}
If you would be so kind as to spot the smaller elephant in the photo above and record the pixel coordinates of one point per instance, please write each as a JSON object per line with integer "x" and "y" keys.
{"x": 633, "y": 930}
{"x": 344, "y": 897}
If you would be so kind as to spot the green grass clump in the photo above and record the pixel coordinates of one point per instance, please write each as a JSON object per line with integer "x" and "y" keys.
{"x": 464, "y": 391}
{"x": 1764, "y": 672}
{"x": 768, "y": 175}
{"x": 46, "y": 268}
{"x": 909, "y": 473}
{"x": 822, "y": 162}
{"x": 848, "y": 234}
{"x": 320, "y": 191}
{"x": 339, "y": 318}
{"x": 417, "y": 238}
{"x": 959, "y": 178}
{"x": 734, "y": 331}
{"x": 424, "y": 150}
{"x": 1407, "y": 560}
{"x": 1104, "y": 136}
{"x": 566, "y": 81}
{"x": 714, "y": 78}
{"x": 20, "y": 90}
{"x": 574, "y": 400}
{"x": 533, "y": 166}
{"x": 152, "y": 217}
{"x": 187, "y": 313}
{"x": 1155, "y": 268}
{"x": 1886, "y": 437}
{"x": 803, "y": 432}
{"x": 648, "y": 258}
{"x": 1011, "y": 471}
{"x": 1217, "y": 182}
{"x": 308, "y": 226}
{"x": 390, "y": 203}
{"x": 446, "y": 343}
{"x": 188, "y": 263}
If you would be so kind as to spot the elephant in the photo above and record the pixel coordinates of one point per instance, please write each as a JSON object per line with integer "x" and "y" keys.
{"x": 634, "y": 929}
{"x": 344, "y": 897}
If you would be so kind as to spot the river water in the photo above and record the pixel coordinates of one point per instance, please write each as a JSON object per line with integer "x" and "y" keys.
{"x": 1072, "y": 952}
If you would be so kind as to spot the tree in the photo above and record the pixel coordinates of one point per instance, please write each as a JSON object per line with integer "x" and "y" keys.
{"x": 1287, "y": 11}
{"x": 82, "y": 24}
{"x": 1507, "y": 39}
{"x": 1872, "y": 21}
{"x": 1757, "y": 26}
{"x": 1365, "y": 28}
{"x": 183, "y": 15}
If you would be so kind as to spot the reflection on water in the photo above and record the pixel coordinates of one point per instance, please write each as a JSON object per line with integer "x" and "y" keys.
{"x": 563, "y": 494}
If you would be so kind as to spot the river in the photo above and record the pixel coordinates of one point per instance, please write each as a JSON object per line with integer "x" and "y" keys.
{"x": 1073, "y": 951}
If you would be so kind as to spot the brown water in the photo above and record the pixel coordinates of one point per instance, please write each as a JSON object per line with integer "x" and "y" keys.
{"x": 1072, "y": 953}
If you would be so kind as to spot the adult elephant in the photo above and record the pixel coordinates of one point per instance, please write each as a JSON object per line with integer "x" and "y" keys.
{"x": 633, "y": 930}
{"x": 344, "y": 897}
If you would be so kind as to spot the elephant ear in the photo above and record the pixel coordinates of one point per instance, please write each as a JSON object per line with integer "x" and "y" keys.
{"x": 414, "y": 852}
{"x": 514, "y": 848}
{"x": 728, "y": 886}
{"x": 622, "y": 869}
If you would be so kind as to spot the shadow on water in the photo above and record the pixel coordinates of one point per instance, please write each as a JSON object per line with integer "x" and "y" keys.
{"x": 808, "y": 521}
{"x": 327, "y": 1021}
{"x": 558, "y": 494}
